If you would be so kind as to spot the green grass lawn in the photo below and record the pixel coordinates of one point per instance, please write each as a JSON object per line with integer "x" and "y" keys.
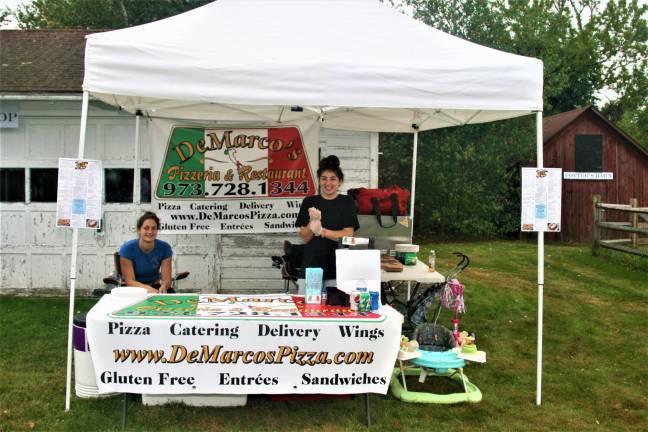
{"x": 595, "y": 358}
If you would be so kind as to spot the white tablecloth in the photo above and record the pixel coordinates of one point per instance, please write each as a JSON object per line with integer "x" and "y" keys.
{"x": 181, "y": 355}
{"x": 415, "y": 273}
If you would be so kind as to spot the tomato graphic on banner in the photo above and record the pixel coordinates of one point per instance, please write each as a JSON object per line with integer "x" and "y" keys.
{"x": 225, "y": 163}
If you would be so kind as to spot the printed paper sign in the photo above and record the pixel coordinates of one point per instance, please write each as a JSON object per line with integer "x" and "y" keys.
{"x": 231, "y": 180}
{"x": 239, "y": 306}
{"x": 78, "y": 198}
{"x": 541, "y": 199}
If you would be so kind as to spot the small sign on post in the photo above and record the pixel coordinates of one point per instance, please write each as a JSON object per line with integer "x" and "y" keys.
{"x": 78, "y": 198}
{"x": 541, "y": 199}
{"x": 9, "y": 115}
{"x": 588, "y": 176}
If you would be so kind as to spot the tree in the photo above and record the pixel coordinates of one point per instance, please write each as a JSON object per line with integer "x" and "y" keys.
{"x": 590, "y": 48}
{"x": 468, "y": 178}
{"x": 624, "y": 33}
{"x": 98, "y": 14}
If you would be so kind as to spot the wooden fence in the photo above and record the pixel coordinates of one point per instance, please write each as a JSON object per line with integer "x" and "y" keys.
{"x": 636, "y": 225}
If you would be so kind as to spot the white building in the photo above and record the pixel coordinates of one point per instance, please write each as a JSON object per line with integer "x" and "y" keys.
{"x": 40, "y": 94}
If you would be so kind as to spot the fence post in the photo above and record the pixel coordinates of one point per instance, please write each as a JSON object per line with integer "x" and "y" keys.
{"x": 596, "y": 231}
{"x": 634, "y": 221}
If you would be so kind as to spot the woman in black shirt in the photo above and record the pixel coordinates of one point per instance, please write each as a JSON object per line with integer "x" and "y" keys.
{"x": 338, "y": 218}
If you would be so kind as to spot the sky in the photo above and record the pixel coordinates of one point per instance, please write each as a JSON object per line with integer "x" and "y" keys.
{"x": 11, "y": 4}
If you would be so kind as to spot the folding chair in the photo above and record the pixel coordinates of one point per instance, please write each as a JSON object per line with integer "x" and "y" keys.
{"x": 289, "y": 264}
{"x": 116, "y": 278}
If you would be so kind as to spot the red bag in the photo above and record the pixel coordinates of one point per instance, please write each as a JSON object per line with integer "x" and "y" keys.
{"x": 391, "y": 200}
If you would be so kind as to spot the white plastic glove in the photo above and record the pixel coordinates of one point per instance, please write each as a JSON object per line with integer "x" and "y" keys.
{"x": 314, "y": 214}
{"x": 315, "y": 224}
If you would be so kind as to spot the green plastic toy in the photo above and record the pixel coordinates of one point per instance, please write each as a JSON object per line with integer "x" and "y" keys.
{"x": 440, "y": 364}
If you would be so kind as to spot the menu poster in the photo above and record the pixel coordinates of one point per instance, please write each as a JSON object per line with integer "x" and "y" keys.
{"x": 541, "y": 199}
{"x": 248, "y": 305}
{"x": 78, "y": 199}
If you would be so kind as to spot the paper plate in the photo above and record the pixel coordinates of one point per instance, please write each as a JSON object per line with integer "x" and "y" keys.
{"x": 408, "y": 355}
{"x": 478, "y": 357}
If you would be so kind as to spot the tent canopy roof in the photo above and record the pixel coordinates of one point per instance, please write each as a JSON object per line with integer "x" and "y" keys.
{"x": 359, "y": 65}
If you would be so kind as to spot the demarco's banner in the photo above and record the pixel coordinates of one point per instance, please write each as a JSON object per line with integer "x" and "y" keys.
{"x": 214, "y": 179}
{"x": 239, "y": 344}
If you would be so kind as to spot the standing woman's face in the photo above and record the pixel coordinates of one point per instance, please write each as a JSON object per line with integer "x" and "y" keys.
{"x": 329, "y": 184}
{"x": 148, "y": 231}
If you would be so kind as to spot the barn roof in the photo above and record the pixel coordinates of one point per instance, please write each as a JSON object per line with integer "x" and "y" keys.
{"x": 553, "y": 125}
{"x": 42, "y": 61}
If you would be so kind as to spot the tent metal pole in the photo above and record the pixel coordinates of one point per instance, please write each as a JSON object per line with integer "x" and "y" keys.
{"x": 136, "y": 177}
{"x": 73, "y": 260}
{"x": 540, "y": 164}
{"x": 413, "y": 196}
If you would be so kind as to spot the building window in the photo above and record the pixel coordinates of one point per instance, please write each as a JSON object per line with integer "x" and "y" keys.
{"x": 43, "y": 184}
{"x": 589, "y": 153}
{"x": 12, "y": 184}
{"x": 145, "y": 185}
{"x": 119, "y": 185}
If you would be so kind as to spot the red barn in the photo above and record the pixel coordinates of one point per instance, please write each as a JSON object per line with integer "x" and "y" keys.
{"x": 597, "y": 158}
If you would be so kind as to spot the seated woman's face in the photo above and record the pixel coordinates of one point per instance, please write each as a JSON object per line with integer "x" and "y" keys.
{"x": 329, "y": 183}
{"x": 148, "y": 231}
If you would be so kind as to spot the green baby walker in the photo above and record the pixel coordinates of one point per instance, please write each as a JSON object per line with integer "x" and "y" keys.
{"x": 435, "y": 351}
{"x": 425, "y": 363}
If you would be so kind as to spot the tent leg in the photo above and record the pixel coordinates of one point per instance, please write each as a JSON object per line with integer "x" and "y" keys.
{"x": 125, "y": 411}
{"x": 73, "y": 261}
{"x": 136, "y": 177}
{"x": 412, "y": 198}
{"x": 413, "y": 195}
{"x": 540, "y": 316}
{"x": 68, "y": 380}
{"x": 367, "y": 409}
{"x": 540, "y": 159}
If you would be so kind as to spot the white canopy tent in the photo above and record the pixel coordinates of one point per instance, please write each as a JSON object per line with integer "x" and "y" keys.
{"x": 360, "y": 64}
{"x": 354, "y": 64}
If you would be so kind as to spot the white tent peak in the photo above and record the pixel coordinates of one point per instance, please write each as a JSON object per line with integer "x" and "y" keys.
{"x": 361, "y": 57}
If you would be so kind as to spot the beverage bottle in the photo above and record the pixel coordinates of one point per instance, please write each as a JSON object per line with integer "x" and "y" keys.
{"x": 432, "y": 261}
{"x": 361, "y": 285}
{"x": 364, "y": 299}
{"x": 324, "y": 296}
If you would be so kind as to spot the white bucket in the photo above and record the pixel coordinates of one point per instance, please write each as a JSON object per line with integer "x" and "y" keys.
{"x": 85, "y": 383}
